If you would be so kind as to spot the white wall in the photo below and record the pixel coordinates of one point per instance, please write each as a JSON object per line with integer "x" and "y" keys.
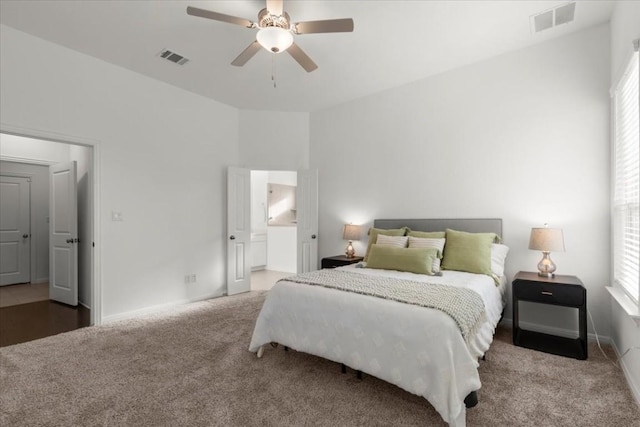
{"x": 625, "y": 27}
{"x": 163, "y": 159}
{"x": 523, "y": 137}
{"x": 274, "y": 140}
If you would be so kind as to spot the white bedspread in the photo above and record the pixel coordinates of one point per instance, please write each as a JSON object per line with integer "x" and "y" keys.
{"x": 418, "y": 349}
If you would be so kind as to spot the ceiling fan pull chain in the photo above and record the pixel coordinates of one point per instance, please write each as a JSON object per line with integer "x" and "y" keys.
{"x": 273, "y": 70}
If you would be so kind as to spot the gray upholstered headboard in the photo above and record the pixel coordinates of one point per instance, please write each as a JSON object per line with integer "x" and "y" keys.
{"x": 471, "y": 225}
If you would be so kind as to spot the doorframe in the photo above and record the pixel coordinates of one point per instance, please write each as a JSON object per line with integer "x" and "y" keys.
{"x": 96, "y": 254}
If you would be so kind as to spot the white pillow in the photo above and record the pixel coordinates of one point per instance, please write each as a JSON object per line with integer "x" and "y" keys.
{"x": 396, "y": 241}
{"x": 427, "y": 242}
{"x": 498, "y": 256}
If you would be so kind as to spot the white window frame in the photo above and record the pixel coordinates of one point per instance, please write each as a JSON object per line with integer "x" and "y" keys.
{"x": 625, "y": 215}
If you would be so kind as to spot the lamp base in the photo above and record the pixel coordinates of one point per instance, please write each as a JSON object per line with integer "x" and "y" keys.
{"x": 350, "y": 252}
{"x": 546, "y": 267}
{"x": 548, "y": 275}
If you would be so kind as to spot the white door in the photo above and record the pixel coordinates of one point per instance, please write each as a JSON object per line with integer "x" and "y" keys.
{"x": 63, "y": 233}
{"x": 15, "y": 236}
{"x": 307, "y": 217}
{"x": 238, "y": 230}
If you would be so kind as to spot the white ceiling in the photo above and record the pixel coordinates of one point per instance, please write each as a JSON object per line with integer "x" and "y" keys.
{"x": 394, "y": 42}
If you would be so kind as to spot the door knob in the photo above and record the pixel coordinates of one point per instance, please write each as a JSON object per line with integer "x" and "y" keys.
{"x": 69, "y": 240}
{"x": 313, "y": 236}
{"x": 25, "y": 236}
{"x": 232, "y": 237}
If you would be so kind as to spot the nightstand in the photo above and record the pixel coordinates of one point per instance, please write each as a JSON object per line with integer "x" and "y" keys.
{"x": 566, "y": 291}
{"x": 339, "y": 261}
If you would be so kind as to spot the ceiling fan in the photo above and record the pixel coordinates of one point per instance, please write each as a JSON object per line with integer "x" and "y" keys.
{"x": 275, "y": 31}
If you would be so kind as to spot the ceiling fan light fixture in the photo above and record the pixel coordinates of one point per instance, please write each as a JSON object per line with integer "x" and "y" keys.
{"x": 274, "y": 39}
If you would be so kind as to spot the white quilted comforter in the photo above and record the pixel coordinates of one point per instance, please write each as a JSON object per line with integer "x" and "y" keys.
{"x": 418, "y": 349}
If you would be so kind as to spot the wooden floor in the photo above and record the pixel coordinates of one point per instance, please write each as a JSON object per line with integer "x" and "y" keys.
{"x": 27, "y": 322}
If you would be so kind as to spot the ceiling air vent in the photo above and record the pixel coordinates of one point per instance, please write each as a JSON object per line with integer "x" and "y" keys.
{"x": 176, "y": 58}
{"x": 553, "y": 17}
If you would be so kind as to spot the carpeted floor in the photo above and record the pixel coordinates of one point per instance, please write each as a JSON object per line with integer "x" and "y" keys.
{"x": 191, "y": 367}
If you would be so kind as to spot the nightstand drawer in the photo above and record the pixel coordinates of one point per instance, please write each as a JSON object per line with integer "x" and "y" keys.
{"x": 550, "y": 293}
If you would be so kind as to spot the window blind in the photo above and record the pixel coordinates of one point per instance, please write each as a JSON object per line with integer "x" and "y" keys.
{"x": 626, "y": 181}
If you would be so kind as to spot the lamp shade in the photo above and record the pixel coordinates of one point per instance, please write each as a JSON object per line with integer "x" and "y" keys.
{"x": 547, "y": 239}
{"x": 275, "y": 39}
{"x": 351, "y": 232}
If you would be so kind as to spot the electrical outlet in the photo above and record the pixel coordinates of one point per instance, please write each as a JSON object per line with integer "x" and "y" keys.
{"x": 193, "y": 278}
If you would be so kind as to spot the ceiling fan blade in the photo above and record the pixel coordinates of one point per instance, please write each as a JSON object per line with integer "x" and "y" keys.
{"x": 327, "y": 26}
{"x": 202, "y": 13}
{"x": 275, "y": 7}
{"x": 302, "y": 58}
{"x": 247, "y": 54}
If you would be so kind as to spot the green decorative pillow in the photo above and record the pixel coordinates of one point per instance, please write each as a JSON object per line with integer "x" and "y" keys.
{"x": 373, "y": 236}
{"x": 427, "y": 234}
{"x": 414, "y": 260}
{"x": 470, "y": 252}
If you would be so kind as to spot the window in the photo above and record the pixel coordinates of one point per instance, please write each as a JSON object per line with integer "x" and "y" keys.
{"x": 626, "y": 181}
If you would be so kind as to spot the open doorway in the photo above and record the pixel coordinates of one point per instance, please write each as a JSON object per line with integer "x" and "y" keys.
{"x": 273, "y": 227}
{"x": 305, "y": 218}
{"x": 26, "y": 311}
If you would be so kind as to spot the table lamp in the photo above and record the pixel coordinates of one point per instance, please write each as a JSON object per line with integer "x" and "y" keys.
{"x": 351, "y": 232}
{"x": 546, "y": 240}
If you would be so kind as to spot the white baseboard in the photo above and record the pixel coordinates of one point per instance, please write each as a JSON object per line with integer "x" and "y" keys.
{"x": 149, "y": 310}
{"x": 635, "y": 388}
{"x": 567, "y": 333}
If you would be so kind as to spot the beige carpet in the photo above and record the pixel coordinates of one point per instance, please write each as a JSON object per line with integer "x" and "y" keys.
{"x": 192, "y": 368}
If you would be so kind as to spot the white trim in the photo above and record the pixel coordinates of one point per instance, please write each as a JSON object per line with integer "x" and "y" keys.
{"x": 635, "y": 388}
{"x": 96, "y": 264}
{"x": 26, "y": 160}
{"x": 623, "y": 300}
{"x": 134, "y": 314}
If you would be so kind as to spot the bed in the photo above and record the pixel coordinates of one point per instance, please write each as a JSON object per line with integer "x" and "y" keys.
{"x": 422, "y": 350}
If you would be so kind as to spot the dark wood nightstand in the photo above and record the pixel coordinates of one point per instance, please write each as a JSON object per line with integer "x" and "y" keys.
{"x": 566, "y": 291}
{"x": 339, "y": 261}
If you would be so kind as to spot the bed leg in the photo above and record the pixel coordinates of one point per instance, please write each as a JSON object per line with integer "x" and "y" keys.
{"x": 343, "y": 368}
{"x": 286, "y": 348}
{"x": 260, "y": 352}
{"x": 471, "y": 400}
{"x": 359, "y": 375}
